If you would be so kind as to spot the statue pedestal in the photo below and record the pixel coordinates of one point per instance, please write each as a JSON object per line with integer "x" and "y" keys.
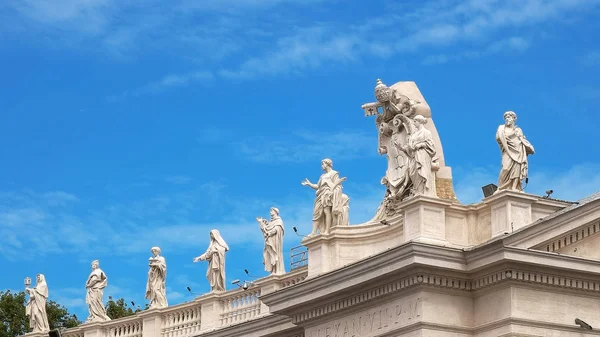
{"x": 152, "y": 322}
{"x": 510, "y": 211}
{"x": 93, "y": 329}
{"x": 348, "y": 244}
{"x": 211, "y": 308}
{"x": 425, "y": 219}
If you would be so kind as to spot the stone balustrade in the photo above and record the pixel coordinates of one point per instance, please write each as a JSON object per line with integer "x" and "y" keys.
{"x": 205, "y": 313}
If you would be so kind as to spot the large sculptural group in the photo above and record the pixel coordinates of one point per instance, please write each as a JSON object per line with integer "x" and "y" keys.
{"x": 413, "y": 158}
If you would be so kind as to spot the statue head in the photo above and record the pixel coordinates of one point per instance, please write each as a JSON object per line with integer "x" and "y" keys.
{"x": 39, "y": 278}
{"x": 326, "y": 163}
{"x": 420, "y": 119}
{"x": 155, "y": 251}
{"x": 383, "y": 93}
{"x": 274, "y": 212}
{"x": 510, "y": 117}
{"x": 95, "y": 264}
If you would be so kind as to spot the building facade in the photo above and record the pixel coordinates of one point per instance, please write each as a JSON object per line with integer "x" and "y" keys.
{"x": 514, "y": 264}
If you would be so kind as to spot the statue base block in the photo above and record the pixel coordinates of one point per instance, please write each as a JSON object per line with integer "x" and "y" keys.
{"x": 425, "y": 219}
{"x": 349, "y": 244}
{"x": 511, "y": 210}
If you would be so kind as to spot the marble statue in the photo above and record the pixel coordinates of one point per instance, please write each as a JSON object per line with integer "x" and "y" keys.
{"x": 273, "y": 234}
{"x": 328, "y": 202}
{"x": 155, "y": 287}
{"x": 215, "y": 255}
{"x": 342, "y": 218}
{"x": 36, "y": 307}
{"x": 420, "y": 152}
{"x": 410, "y": 142}
{"x": 95, "y": 285}
{"x": 515, "y": 149}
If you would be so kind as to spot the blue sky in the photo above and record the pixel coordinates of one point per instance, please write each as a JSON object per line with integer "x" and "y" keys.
{"x": 130, "y": 124}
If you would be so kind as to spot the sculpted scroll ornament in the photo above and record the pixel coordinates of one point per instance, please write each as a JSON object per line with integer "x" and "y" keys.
{"x": 515, "y": 149}
{"x": 95, "y": 285}
{"x": 273, "y": 234}
{"x": 329, "y": 202}
{"x": 36, "y": 307}
{"x": 157, "y": 276}
{"x": 215, "y": 255}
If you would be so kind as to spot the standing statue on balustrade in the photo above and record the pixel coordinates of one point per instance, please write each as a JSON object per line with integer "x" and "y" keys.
{"x": 36, "y": 307}
{"x": 156, "y": 290}
{"x": 215, "y": 255}
{"x": 95, "y": 285}
{"x": 273, "y": 234}
{"x": 328, "y": 205}
{"x": 515, "y": 149}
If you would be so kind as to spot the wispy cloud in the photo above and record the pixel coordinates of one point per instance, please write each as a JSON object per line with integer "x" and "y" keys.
{"x": 245, "y": 46}
{"x": 305, "y": 146}
{"x": 509, "y": 46}
{"x": 573, "y": 184}
{"x": 178, "y": 180}
{"x": 170, "y": 221}
{"x": 591, "y": 59}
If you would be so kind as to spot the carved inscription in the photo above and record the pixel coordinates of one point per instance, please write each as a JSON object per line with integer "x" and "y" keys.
{"x": 371, "y": 322}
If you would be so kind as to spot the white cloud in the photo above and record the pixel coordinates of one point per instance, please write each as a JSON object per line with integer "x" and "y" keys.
{"x": 572, "y": 184}
{"x": 513, "y": 45}
{"x": 591, "y": 59}
{"x": 302, "y": 146}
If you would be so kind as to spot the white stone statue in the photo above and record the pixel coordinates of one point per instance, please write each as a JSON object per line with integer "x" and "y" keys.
{"x": 215, "y": 255}
{"x": 420, "y": 151}
{"x": 514, "y": 148}
{"x": 343, "y": 219}
{"x": 273, "y": 234}
{"x": 36, "y": 307}
{"x": 156, "y": 290}
{"x": 95, "y": 285}
{"x": 409, "y": 139}
{"x": 328, "y": 202}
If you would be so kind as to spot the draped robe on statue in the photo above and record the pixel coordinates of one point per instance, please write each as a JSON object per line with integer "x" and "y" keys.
{"x": 156, "y": 285}
{"x": 273, "y": 251}
{"x": 327, "y": 197}
{"x": 36, "y": 307}
{"x": 419, "y": 167}
{"x": 515, "y": 149}
{"x": 95, "y": 285}
{"x": 215, "y": 255}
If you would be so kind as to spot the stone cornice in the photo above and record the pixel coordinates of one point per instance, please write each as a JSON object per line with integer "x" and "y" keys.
{"x": 499, "y": 254}
{"x": 547, "y": 228}
{"x": 419, "y": 266}
{"x": 516, "y": 275}
{"x": 570, "y": 238}
{"x": 265, "y": 325}
{"x": 366, "y": 270}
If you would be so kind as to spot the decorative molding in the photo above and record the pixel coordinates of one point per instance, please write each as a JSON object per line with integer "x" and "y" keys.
{"x": 431, "y": 280}
{"x": 571, "y": 238}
